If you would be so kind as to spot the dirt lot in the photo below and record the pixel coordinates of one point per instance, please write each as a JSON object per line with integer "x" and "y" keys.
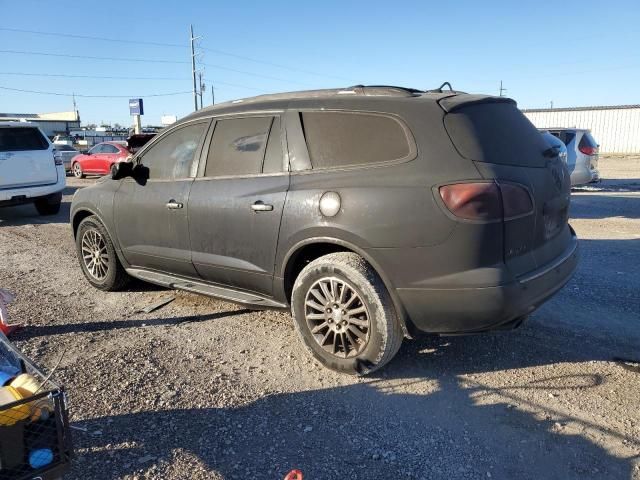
{"x": 205, "y": 389}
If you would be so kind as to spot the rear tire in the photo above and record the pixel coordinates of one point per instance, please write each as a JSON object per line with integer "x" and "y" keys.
{"x": 77, "y": 170}
{"x": 49, "y": 205}
{"x": 97, "y": 256}
{"x": 113, "y": 169}
{"x": 359, "y": 336}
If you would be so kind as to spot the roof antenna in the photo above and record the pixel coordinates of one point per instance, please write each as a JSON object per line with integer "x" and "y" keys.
{"x": 439, "y": 89}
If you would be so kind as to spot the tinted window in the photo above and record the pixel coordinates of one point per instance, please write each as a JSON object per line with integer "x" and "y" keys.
{"x": 496, "y": 133}
{"x": 587, "y": 141}
{"x": 336, "y": 139}
{"x": 238, "y": 146}
{"x": 106, "y": 148}
{"x": 273, "y": 156}
{"x": 565, "y": 136}
{"x": 64, "y": 148}
{"x": 21, "y": 138}
{"x": 96, "y": 149}
{"x": 172, "y": 156}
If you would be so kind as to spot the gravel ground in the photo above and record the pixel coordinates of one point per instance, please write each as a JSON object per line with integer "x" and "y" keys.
{"x": 205, "y": 389}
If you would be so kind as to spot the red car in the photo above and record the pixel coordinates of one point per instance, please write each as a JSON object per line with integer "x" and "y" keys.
{"x": 100, "y": 160}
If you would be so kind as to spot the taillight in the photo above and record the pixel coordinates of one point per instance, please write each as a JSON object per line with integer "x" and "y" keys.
{"x": 488, "y": 202}
{"x": 588, "y": 150}
{"x": 57, "y": 159}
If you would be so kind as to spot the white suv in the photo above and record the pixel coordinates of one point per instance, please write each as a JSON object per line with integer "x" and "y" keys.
{"x": 29, "y": 171}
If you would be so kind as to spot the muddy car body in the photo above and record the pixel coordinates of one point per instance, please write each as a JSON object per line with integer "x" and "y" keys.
{"x": 434, "y": 211}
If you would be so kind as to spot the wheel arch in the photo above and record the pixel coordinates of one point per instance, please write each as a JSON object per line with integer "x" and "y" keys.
{"x": 310, "y": 249}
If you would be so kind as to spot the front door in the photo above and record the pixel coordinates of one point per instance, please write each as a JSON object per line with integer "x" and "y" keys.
{"x": 236, "y": 204}
{"x": 151, "y": 217}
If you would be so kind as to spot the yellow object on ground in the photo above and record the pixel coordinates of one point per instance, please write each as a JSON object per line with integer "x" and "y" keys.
{"x": 27, "y": 385}
{"x": 9, "y": 416}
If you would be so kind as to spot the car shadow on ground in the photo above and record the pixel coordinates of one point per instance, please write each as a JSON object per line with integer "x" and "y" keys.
{"x": 447, "y": 426}
{"x": 34, "y": 331}
{"x": 28, "y": 215}
{"x": 604, "y": 205}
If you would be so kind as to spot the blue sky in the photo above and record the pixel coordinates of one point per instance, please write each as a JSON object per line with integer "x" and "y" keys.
{"x": 571, "y": 53}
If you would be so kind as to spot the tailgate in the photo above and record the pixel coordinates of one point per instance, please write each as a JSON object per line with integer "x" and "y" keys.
{"x": 506, "y": 147}
{"x": 26, "y": 158}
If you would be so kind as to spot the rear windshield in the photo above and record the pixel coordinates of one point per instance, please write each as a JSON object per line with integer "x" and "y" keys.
{"x": 496, "y": 133}
{"x": 587, "y": 141}
{"x": 21, "y": 138}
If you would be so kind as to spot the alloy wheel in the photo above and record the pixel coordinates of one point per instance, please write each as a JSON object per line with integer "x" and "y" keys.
{"x": 337, "y": 317}
{"x": 94, "y": 254}
{"x": 77, "y": 170}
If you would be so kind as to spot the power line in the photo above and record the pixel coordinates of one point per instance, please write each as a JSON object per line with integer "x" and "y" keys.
{"x": 104, "y": 77}
{"x": 88, "y": 37}
{"x": 109, "y": 77}
{"x": 259, "y": 75}
{"x": 91, "y": 96}
{"x": 146, "y": 60}
{"x": 90, "y": 57}
{"x": 277, "y": 65}
{"x": 173, "y": 45}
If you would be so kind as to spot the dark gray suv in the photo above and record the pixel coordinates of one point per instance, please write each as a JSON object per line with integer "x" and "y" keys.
{"x": 372, "y": 212}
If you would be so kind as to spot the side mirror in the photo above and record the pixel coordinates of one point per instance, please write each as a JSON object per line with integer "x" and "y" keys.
{"x": 122, "y": 170}
{"x": 88, "y": 152}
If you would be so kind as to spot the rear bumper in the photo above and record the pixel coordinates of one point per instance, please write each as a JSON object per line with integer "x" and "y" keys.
{"x": 478, "y": 309}
{"x": 20, "y": 195}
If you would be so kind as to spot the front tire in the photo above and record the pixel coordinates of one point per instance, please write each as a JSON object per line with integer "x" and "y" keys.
{"x": 97, "y": 256}
{"x": 344, "y": 314}
{"x": 49, "y": 205}
{"x": 77, "y": 170}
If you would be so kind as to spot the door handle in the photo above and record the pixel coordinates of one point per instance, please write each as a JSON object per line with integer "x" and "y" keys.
{"x": 260, "y": 206}
{"x": 173, "y": 205}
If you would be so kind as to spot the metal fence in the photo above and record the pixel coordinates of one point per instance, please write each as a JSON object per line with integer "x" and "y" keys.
{"x": 615, "y": 128}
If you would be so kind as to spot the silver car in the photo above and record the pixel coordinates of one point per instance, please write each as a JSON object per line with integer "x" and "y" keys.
{"x": 582, "y": 154}
{"x": 65, "y": 153}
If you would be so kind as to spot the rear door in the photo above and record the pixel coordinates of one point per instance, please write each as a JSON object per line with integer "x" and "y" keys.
{"x": 91, "y": 162}
{"x": 236, "y": 204}
{"x": 506, "y": 147}
{"x": 151, "y": 216}
{"x": 26, "y": 157}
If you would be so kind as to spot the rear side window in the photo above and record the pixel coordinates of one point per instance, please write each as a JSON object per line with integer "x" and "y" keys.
{"x": 337, "y": 139}
{"x": 238, "y": 146}
{"x": 172, "y": 156}
{"x": 106, "y": 148}
{"x": 565, "y": 136}
{"x": 22, "y": 138}
{"x": 496, "y": 133}
{"x": 587, "y": 141}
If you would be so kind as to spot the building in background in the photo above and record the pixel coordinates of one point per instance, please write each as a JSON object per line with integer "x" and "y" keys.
{"x": 616, "y": 128}
{"x": 52, "y": 124}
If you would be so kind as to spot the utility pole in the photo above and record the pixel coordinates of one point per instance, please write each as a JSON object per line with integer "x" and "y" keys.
{"x": 202, "y": 87}
{"x": 193, "y": 70}
{"x": 213, "y": 98}
{"x": 551, "y": 104}
{"x": 502, "y": 90}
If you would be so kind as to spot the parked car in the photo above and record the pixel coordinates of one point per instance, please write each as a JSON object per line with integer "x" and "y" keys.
{"x": 66, "y": 153}
{"x": 63, "y": 140}
{"x": 582, "y": 154}
{"x": 100, "y": 159}
{"x": 29, "y": 171}
{"x": 371, "y": 212}
{"x": 556, "y": 145}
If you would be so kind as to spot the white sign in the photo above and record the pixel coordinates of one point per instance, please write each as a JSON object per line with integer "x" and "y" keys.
{"x": 168, "y": 119}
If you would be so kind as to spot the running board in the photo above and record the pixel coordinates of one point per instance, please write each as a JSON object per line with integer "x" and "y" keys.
{"x": 235, "y": 296}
